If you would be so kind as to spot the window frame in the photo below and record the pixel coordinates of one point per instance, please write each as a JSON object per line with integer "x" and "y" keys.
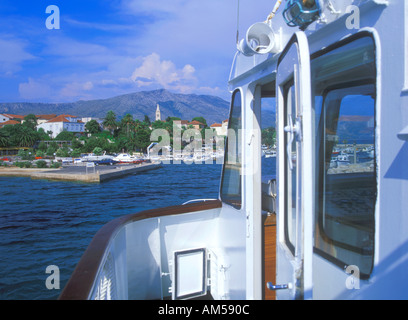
{"x": 343, "y": 85}
{"x": 224, "y": 199}
{"x": 291, "y": 246}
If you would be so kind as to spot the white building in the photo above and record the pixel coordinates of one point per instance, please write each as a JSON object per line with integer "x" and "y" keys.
{"x": 87, "y": 119}
{"x": 63, "y": 122}
{"x": 4, "y": 117}
{"x": 221, "y": 128}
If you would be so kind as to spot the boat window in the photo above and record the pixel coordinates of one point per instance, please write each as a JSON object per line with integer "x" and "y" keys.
{"x": 345, "y": 149}
{"x": 231, "y": 177}
{"x": 291, "y": 170}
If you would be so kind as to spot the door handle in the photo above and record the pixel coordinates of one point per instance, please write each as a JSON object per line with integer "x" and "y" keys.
{"x": 295, "y": 131}
{"x": 275, "y": 287}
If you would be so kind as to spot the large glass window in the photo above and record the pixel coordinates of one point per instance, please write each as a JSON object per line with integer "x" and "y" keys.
{"x": 292, "y": 191}
{"x": 344, "y": 86}
{"x": 232, "y": 171}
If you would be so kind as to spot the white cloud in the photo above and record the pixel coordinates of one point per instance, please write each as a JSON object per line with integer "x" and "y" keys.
{"x": 12, "y": 54}
{"x": 155, "y": 71}
{"x": 78, "y": 90}
{"x": 34, "y": 90}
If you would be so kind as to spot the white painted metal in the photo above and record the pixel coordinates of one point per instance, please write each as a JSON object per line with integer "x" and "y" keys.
{"x": 294, "y": 267}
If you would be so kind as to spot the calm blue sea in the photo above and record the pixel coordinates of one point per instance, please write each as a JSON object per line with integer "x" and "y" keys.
{"x": 45, "y": 223}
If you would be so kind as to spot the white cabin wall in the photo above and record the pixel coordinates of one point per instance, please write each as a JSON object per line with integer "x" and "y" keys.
{"x": 231, "y": 242}
{"x": 143, "y": 260}
{"x": 392, "y": 158}
{"x": 389, "y": 276}
{"x": 252, "y": 190}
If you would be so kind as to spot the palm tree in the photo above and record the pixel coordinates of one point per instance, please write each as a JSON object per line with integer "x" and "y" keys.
{"x": 26, "y": 136}
{"x": 4, "y": 139}
{"x": 110, "y": 121}
{"x": 128, "y": 123}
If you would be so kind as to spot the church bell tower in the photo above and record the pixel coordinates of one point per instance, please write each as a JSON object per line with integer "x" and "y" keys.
{"x": 158, "y": 116}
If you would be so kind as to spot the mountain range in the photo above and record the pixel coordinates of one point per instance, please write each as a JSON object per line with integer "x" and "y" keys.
{"x": 138, "y": 104}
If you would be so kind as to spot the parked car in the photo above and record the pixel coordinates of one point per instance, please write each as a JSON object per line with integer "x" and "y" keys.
{"x": 106, "y": 162}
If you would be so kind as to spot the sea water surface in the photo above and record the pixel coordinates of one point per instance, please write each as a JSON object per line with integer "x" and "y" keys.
{"x": 50, "y": 223}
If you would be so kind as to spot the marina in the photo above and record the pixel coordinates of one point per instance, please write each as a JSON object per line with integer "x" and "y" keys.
{"x": 89, "y": 174}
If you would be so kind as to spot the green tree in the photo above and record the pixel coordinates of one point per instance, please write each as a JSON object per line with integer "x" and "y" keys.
{"x": 26, "y": 154}
{"x": 142, "y": 139}
{"x": 92, "y": 143}
{"x": 26, "y": 136}
{"x": 76, "y": 144}
{"x": 268, "y": 136}
{"x": 4, "y": 138}
{"x": 30, "y": 120}
{"x": 147, "y": 120}
{"x": 42, "y": 146}
{"x": 52, "y": 148}
{"x": 127, "y": 124}
{"x": 41, "y": 164}
{"x": 62, "y": 152}
{"x": 76, "y": 153}
{"x": 97, "y": 151}
{"x": 65, "y": 136}
{"x": 42, "y": 135}
{"x": 92, "y": 126}
{"x": 110, "y": 122}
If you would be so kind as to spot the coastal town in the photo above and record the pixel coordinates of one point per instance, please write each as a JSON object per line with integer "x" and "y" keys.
{"x": 51, "y": 140}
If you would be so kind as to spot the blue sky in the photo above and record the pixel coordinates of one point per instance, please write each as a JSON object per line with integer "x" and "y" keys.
{"x": 106, "y": 48}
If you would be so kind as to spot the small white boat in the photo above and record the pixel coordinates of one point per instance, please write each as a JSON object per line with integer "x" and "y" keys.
{"x": 125, "y": 158}
{"x": 343, "y": 159}
{"x": 93, "y": 157}
{"x": 270, "y": 154}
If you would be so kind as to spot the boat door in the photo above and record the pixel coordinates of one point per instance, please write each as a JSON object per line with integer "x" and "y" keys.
{"x": 295, "y": 172}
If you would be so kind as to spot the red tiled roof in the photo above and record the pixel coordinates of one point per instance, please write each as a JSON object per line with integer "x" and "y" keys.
{"x": 13, "y": 116}
{"x": 216, "y": 125}
{"x": 61, "y": 118}
{"x": 196, "y": 122}
{"x": 45, "y": 116}
{"x": 12, "y": 122}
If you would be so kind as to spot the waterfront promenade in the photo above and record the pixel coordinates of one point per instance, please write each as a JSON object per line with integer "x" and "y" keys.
{"x": 80, "y": 173}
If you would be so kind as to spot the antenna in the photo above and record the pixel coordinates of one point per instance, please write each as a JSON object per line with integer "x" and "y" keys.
{"x": 238, "y": 23}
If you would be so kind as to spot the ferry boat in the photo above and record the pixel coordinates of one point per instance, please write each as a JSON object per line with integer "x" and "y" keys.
{"x": 338, "y": 70}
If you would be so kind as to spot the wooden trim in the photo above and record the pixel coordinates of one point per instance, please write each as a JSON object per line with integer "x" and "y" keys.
{"x": 82, "y": 279}
{"x": 269, "y": 255}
